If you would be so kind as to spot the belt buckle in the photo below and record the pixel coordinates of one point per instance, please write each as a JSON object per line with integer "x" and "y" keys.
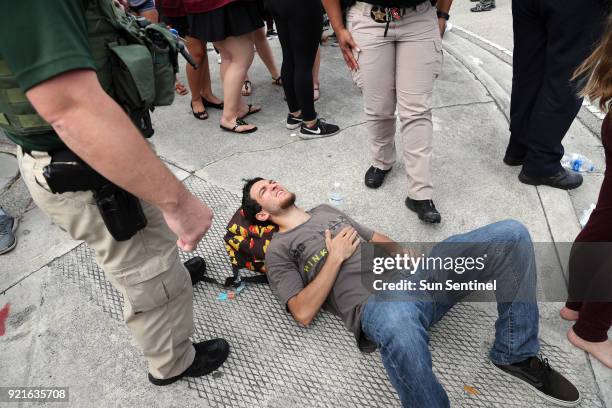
{"x": 379, "y": 14}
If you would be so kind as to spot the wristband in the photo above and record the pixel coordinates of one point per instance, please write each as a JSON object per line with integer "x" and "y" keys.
{"x": 442, "y": 14}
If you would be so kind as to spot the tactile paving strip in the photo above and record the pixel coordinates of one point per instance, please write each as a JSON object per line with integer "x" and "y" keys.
{"x": 276, "y": 363}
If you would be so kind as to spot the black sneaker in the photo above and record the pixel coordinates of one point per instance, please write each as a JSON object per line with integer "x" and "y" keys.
{"x": 425, "y": 209}
{"x": 209, "y": 355}
{"x": 8, "y": 225}
{"x": 547, "y": 383}
{"x": 564, "y": 180}
{"x": 374, "y": 177}
{"x": 484, "y": 5}
{"x": 293, "y": 122}
{"x": 320, "y": 129}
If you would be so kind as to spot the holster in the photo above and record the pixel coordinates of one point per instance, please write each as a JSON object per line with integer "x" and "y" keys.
{"x": 121, "y": 212}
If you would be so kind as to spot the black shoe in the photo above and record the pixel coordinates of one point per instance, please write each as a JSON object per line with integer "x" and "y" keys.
{"x": 209, "y": 355}
{"x": 565, "y": 180}
{"x": 293, "y": 122}
{"x": 484, "y": 5}
{"x": 197, "y": 269}
{"x": 209, "y": 104}
{"x": 425, "y": 209}
{"x": 374, "y": 177}
{"x": 513, "y": 161}
{"x": 320, "y": 129}
{"x": 547, "y": 383}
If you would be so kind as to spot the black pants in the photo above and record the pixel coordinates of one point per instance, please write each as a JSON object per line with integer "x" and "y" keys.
{"x": 299, "y": 24}
{"x": 551, "y": 39}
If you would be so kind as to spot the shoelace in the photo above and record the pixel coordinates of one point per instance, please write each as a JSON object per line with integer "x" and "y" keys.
{"x": 544, "y": 361}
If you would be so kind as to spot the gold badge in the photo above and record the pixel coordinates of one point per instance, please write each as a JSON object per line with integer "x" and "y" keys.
{"x": 378, "y": 15}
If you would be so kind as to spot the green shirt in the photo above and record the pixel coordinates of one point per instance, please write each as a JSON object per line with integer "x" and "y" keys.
{"x": 45, "y": 39}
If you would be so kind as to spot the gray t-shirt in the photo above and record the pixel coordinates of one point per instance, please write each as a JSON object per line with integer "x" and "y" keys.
{"x": 295, "y": 257}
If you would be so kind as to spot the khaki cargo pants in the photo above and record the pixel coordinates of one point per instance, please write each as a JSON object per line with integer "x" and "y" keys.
{"x": 399, "y": 71}
{"x": 146, "y": 269}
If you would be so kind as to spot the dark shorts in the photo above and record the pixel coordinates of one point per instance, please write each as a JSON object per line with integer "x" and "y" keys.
{"x": 180, "y": 24}
{"x": 140, "y": 6}
{"x": 232, "y": 20}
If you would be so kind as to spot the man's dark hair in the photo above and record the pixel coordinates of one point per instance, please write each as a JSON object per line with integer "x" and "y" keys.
{"x": 250, "y": 206}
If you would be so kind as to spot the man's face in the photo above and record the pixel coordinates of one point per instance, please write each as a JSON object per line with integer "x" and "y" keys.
{"x": 272, "y": 196}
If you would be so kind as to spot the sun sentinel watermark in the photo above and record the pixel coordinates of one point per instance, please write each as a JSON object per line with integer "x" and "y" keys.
{"x": 408, "y": 264}
{"x": 500, "y": 268}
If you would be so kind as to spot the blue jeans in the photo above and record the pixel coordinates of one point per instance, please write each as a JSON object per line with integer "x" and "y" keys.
{"x": 399, "y": 327}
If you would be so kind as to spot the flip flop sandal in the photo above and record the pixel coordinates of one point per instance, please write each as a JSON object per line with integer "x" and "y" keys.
{"x": 250, "y": 111}
{"x": 482, "y": 7}
{"x": 247, "y": 88}
{"x": 199, "y": 115}
{"x": 277, "y": 81}
{"x": 209, "y": 104}
{"x": 180, "y": 89}
{"x": 316, "y": 94}
{"x": 239, "y": 122}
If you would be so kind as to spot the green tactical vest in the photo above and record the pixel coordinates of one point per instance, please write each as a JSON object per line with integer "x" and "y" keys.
{"x": 135, "y": 65}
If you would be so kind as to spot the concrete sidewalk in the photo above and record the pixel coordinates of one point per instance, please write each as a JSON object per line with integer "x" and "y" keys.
{"x": 64, "y": 326}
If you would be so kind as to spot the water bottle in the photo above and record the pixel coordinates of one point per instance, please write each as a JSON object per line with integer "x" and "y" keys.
{"x": 336, "y": 198}
{"x": 577, "y": 162}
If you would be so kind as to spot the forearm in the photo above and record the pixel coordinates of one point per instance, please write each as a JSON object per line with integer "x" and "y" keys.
{"x": 387, "y": 243}
{"x": 444, "y": 5}
{"x": 307, "y": 303}
{"x": 97, "y": 130}
{"x": 334, "y": 13}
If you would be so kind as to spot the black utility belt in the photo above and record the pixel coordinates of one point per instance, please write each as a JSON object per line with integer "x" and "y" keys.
{"x": 121, "y": 211}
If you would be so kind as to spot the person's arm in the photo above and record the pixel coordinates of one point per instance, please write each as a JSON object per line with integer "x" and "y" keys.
{"x": 443, "y": 6}
{"x": 391, "y": 246}
{"x": 97, "y": 130}
{"x": 306, "y": 304}
{"x": 345, "y": 39}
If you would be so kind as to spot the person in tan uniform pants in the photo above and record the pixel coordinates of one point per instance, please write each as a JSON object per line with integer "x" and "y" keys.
{"x": 55, "y": 70}
{"x": 394, "y": 49}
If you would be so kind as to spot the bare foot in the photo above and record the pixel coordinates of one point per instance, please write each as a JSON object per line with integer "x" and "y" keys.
{"x": 247, "y": 88}
{"x": 198, "y": 110}
{"x": 569, "y": 314}
{"x": 602, "y": 351}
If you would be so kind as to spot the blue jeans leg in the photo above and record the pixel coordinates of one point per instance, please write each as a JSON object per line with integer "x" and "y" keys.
{"x": 399, "y": 328}
{"x": 511, "y": 262}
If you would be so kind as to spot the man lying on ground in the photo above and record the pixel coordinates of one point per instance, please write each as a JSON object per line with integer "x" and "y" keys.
{"x": 315, "y": 260}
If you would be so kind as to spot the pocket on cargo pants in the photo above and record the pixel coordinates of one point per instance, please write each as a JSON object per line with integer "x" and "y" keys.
{"x": 157, "y": 291}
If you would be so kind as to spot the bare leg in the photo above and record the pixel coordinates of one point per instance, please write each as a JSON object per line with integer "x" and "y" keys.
{"x": 315, "y": 74}
{"x": 237, "y": 54}
{"x": 151, "y": 15}
{"x": 194, "y": 76}
{"x": 265, "y": 52}
{"x": 206, "y": 86}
